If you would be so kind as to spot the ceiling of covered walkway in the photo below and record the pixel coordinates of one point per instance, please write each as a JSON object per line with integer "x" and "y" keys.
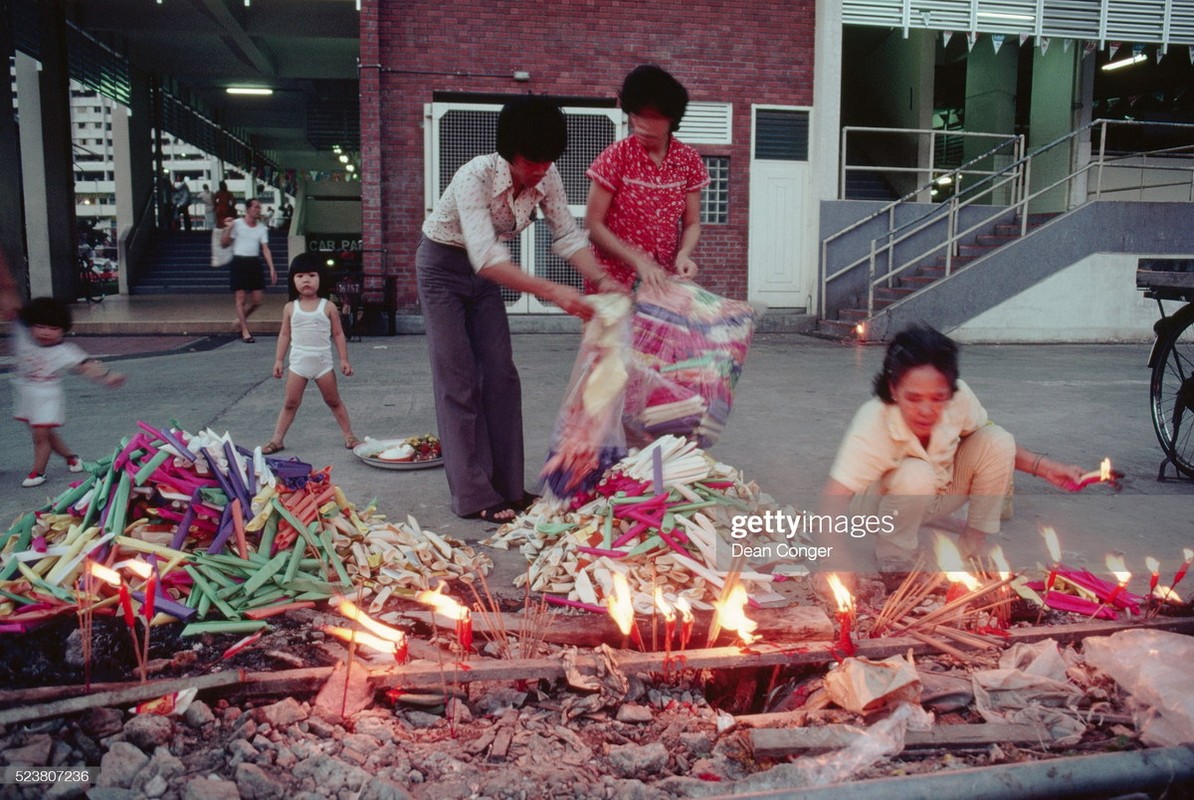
{"x": 305, "y": 51}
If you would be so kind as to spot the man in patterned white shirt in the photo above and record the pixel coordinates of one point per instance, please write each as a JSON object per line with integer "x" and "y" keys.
{"x": 462, "y": 262}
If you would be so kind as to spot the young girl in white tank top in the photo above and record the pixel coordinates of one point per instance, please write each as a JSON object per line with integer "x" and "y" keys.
{"x": 310, "y": 325}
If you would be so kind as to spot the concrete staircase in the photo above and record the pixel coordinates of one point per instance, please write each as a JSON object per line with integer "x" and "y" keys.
{"x": 921, "y": 278}
{"x": 179, "y": 262}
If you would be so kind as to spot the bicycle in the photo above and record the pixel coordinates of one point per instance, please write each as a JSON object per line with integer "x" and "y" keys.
{"x": 1171, "y": 388}
{"x": 89, "y": 287}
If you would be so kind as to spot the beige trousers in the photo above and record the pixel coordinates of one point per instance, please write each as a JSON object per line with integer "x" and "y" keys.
{"x": 983, "y": 468}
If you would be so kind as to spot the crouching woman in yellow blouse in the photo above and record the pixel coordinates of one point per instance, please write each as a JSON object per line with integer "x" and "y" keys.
{"x": 923, "y": 447}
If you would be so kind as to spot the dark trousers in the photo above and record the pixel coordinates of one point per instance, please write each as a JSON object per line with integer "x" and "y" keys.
{"x": 478, "y": 394}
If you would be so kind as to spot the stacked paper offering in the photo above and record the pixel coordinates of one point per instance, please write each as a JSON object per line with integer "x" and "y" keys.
{"x": 658, "y": 517}
{"x": 209, "y": 529}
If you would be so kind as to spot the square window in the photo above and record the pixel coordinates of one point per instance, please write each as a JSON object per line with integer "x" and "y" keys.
{"x": 715, "y": 198}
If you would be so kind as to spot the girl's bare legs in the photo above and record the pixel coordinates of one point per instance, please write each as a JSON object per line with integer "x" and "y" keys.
{"x": 46, "y": 441}
{"x": 295, "y": 386}
{"x": 331, "y": 396}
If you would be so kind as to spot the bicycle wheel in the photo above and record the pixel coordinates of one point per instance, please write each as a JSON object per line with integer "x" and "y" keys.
{"x": 1172, "y": 391}
{"x": 88, "y": 288}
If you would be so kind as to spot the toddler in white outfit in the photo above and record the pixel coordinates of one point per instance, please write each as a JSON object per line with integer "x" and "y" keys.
{"x": 310, "y": 325}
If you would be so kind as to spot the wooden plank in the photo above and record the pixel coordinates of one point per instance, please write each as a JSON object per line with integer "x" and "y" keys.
{"x": 776, "y": 625}
{"x": 781, "y": 742}
{"x": 117, "y": 697}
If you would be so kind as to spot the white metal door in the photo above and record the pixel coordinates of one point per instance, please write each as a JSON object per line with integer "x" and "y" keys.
{"x": 780, "y": 201}
{"x": 457, "y": 132}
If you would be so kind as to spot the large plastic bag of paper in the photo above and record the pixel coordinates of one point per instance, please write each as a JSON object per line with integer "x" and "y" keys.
{"x": 588, "y": 436}
{"x": 689, "y": 349}
{"x": 1155, "y": 668}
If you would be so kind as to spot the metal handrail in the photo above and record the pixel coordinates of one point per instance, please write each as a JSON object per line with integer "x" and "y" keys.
{"x": 1015, "y": 176}
{"x": 931, "y": 169}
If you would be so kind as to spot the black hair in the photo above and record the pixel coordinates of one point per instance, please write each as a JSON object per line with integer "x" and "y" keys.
{"x": 304, "y": 263}
{"x": 917, "y": 346}
{"x": 650, "y": 86}
{"x": 46, "y": 311}
{"x": 531, "y": 126}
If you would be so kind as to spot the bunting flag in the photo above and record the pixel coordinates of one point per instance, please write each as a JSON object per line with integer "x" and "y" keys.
{"x": 1113, "y": 48}
{"x": 1191, "y": 49}
{"x": 945, "y": 37}
{"x": 1065, "y": 45}
{"x": 1044, "y": 42}
{"x": 971, "y": 38}
{"x": 1137, "y": 50}
{"x": 1088, "y": 48}
{"x": 997, "y": 41}
{"x": 1159, "y": 54}
{"x": 1023, "y": 38}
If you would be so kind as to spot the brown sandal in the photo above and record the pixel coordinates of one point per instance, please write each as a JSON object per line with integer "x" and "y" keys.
{"x": 272, "y": 447}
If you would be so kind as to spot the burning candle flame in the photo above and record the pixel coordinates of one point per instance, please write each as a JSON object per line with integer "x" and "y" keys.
{"x": 1187, "y": 554}
{"x": 1119, "y": 569}
{"x": 620, "y": 606}
{"x": 1000, "y": 562}
{"x": 350, "y": 610}
{"x": 731, "y": 615}
{"x": 1166, "y": 594}
{"x": 1152, "y": 565}
{"x": 684, "y": 608}
{"x": 442, "y": 603}
{"x": 138, "y": 568}
{"x": 950, "y": 561}
{"x": 108, "y": 576}
{"x": 1052, "y": 543}
{"x": 665, "y": 608}
{"x": 367, "y": 639}
{"x": 845, "y": 602}
{"x": 1105, "y": 470}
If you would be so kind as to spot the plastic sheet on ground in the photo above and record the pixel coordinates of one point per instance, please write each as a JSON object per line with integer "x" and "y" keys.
{"x": 1154, "y": 666}
{"x": 1030, "y": 688}
{"x": 862, "y": 685}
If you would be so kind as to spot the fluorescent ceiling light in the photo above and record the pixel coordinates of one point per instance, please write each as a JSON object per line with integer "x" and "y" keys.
{"x": 1002, "y": 15}
{"x": 248, "y": 90}
{"x": 945, "y": 180}
{"x": 1126, "y": 62}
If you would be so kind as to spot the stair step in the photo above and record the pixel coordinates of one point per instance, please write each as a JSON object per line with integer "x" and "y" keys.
{"x": 974, "y": 250}
{"x": 995, "y": 240}
{"x": 852, "y": 315}
{"x": 892, "y": 292}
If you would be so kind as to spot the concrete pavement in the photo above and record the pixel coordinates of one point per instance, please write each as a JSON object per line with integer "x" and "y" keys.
{"x": 796, "y": 396}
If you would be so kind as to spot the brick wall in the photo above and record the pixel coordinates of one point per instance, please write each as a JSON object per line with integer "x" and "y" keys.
{"x": 746, "y": 52}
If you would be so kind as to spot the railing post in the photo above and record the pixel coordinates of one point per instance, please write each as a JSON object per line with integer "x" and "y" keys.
{"x": 870, "y": 285}
{"x": 951, "y": 225}
{"x": 1027, "y": 195}
{"x": 1102, "y": 157}
{"x": 841, "y": 188}
{"x": 824, "y": 274}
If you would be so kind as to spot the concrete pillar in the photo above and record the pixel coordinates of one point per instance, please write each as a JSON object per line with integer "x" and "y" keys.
{"x": 990, "y": 102}
{"x": 133, "y": 164}
{"x": 825, "y": 138}
{"x": 43, "y": 90}
{"x": 1055, "y": 86}
{"x": 12, "y": 240}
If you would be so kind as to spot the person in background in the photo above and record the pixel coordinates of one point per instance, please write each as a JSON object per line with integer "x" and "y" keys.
{"x": 249, "y": 239}
{"x": 182, "y": 204}
{"x": 209, "y": 207}
{"x": 41, "y": 354}
{"x": 462, "y": 264}
{"x": 224, "y": 202}
{"x": 644, "y": 207}
{"x": 923, "y": 447}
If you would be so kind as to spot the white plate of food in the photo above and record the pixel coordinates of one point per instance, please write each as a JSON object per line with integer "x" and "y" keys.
{"x": 411, "y": 452}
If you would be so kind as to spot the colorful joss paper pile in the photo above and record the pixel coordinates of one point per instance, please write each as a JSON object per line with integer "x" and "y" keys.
{"x": 207, "y": 529}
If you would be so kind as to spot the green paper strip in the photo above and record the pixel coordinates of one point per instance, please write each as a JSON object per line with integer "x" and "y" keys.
{"x": 296, "y": 555}
{"x": 71, "y": 496}
{"x": 554, "y": 528}
{"x": 120, "y": 505}
{"x": 204, "y": 605}
{"x": 267, "y": 535}
{"x": 686, "y": 507}
{"x": 234, "y": 626}
{"x": 337, "y": 564}
{"x": 150, "y": 467}
{"x": 267, "y": 598}
{"x": 263, "y": 574}
{"x": 646, "y": 546}
{"x": 317, "y": 596}
{"x": 720, "y": 498}
{"x": 209, "y": 592}
{"x": 607, "y": 529}
{"x": 217, "y": 577}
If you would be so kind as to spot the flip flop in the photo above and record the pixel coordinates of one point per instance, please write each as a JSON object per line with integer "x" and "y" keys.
{"x": 272, "y": 447}
{"x": 351, "y": 442}
{"x": 528, "y": 500}
{"x": 248, "y": 340}
{"x": 490, "y": 514}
